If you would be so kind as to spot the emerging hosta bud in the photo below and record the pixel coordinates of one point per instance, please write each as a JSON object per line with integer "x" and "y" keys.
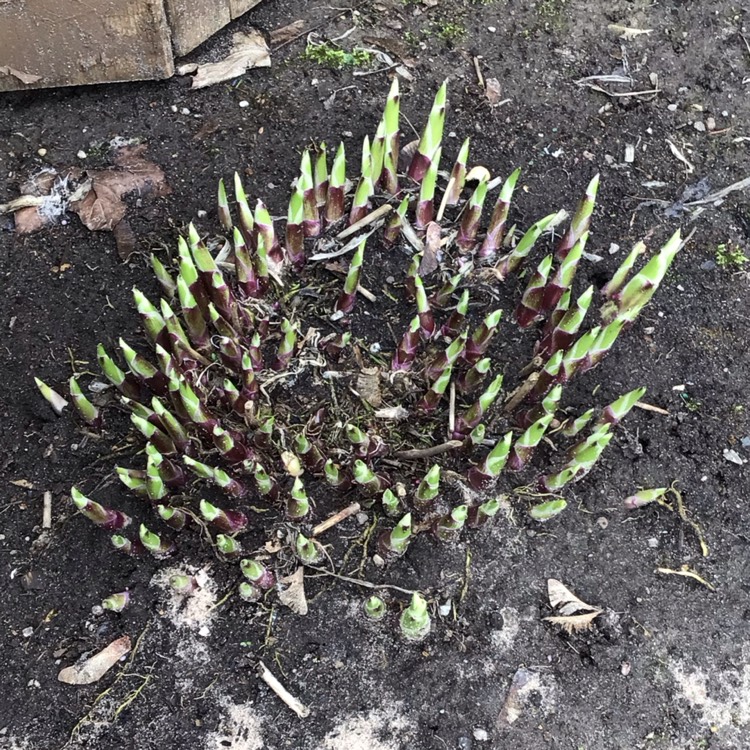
{"x": 53, "y": 398}
{"x": 524, "y": 446}
{"x": 415, "y": 619}
{"x": 98, "y": 514}
{"x": 173, "y": 517}
{"x": 370, "y": 482}
{"x": 336, "y": 187}
{"x": 438, "y": 388}
{"x": 424, "y": 313}
{"x": 457, "y": 179}
{"x": 404, "y": 356}
{"x": 334, "y": 476}
{"x": 477, "y": 345}
{"x": 620, "y": 408}
{"x": 429, "y": 488}
{"x": 168, "y": 285}
{"x": 489, "y": 469}
{"x": 496, "y": 229}
{"x": 579, "y": 224}
{"x": 447, "y": 357}
{"x": 154, "y": 543}
{"x": 183, "y": 584}
{"x": 89, "y": 413}
{"x": 298, "y": 504}
{"x": 572, "y": 427}
{"x": 431, "y": 137}
{"x": 348, "y": 297}
{"x": 645, "y": 497}
{"x": 471, "y": 379}
{"x": 525, "y": 245}
{"x": 394, "y": 543}
{"x": 530, "y": 307}
{"x": 479, "y": 515}
{"x": 447, "y": 528}
{"x": 249, "y": 592}
{"x": 259, "y": 575}
{"x": 550, "y": 509}
{"x": 467, "y": 232}
{"x": 228, "y": 546}
{"x": 123, "y": 544}
{"x": 230, "y": 521}
{"x": 467, "y": 421}
{"x": 266, "y": 485}
{"x": 391, "y": 504}
{"x": 309, "y": 551}
{"x": 375, "y": 608}
{"x": 116, "y": 602}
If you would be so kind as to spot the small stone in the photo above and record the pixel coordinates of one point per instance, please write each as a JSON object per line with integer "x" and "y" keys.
{"x": 445, "y": 608}
{"x": 745, "y": 441}
{"x": 378, "y": 561}
{"x": 185, "y": 111}
{"x": 464, "y": 743}
{"x": 700, "y": 126}
{"x": 97, "y": 610}
{"x": 672, "y": 107}
{"x": 711, "y": 123}
{"x": 375, "y": 348}
{"x": 602, "y": 522}
{"x": 42, "y": 152}
{"x": 202, "y": 213}
{"x": 629, "y": 153}
{"x": 244, "y": 103}
{"x": 734, "y": 457}
{"x": 361, "y": 518}
{"x": 27, "y": 632}
{"x": 625, "y": 668}
{"x": 204, "y": 631}
{"x": 653, "y": 542}
{"x": 613, "y": 248}
{"x": 708, "y": 265}
{"x": 174, "y": 108}
{"x": 480, "y": 735}
{"x": 491, "y": 29}
{"x": 725, "y": 113}
{"x": 347, "y": 133}
{"x": 81, "y": 154}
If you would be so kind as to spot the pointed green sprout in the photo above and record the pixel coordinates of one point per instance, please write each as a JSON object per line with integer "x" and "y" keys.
{"x": 345, "y": 302}
{"x": 375, "y": 608}
{"x": 116, "y": 602}
{"x": 457, "y": 180}
{"x": 53, "y": 398}
{"x": 479, "y": 515}
{"x": 415, "y": 619}
{"x": 580, "y": 221}
{"x": 524, "y": 247}
{"x": 133, "y": 479}
{"x": 153, "y": 542}
{"x": 471, "y": 379}
{"x": 455, "y": 322}
{"x": 438, "y": 388}
{"x": 429, "y": 487}
{"x": 168, "y": 284}
{"x": 524, "y": 446}
{"x": 472, "y": 215}
{"x": 478, "y": 411}
{"x": 258, "y": 574}
{"x": 365, "y": 187}
{"x": 336, "y": 187}
{"x": 228, "y": 546}
{"x": 613, "y": 286}
{"x": 615, "y": 412}
{"x": 497, "y": 226}
{"x": 298, "y": 505}
{"x": 395, "y": 541}
{"x": 563, "y": 334}
{"x": 431, "y": 137}
{"x": 448, "y": 357}
{"x": 530, "y": 306}
{"x": 563, "y": 277}
{"x": 183, "y": 584}
{"x": 89, "y": 413}
{"x": 426, "y": 204}
{"x": 309, "y": 551}
{"x": 490, "y": 468}
{"x": 225, "y": 216}
{"x": 123, "y": 544}
{"x": 173, "y": 517}
{"x": 395, "y": 222}
{"x": 645, "y": 497}
{"x": 391, "y": 504}
{"x": 550, "y": 509}
{"x": 153, "y": 322}
{"x": 249, "y": 592}
{"x": 448, "y": 527}
{"x": 572, "y": 428}
{"x": 366, "y": 478}
{"x": 477, "y": 345}
{"x": 113, "y": 520}
{"x": 230, "y": 521}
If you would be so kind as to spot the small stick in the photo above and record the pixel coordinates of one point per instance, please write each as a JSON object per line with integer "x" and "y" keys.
{"x": 521, "y": 392}
{"x": 366, "y": 293}
{"x": 360, "y": 582}
{"x": 299, "y": 708}
{"x": 378, "y": 213}
{"x": 342, "y": 515}
{"x": 452, "y": 407}
{"x": 434, "y": 450}
{"x": 47, "y": 511}
{"x": 478, "y": 70}
{"x": 650, "y": 407}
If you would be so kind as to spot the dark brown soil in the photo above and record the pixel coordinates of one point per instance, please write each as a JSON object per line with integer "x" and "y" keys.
{"x": 668, "y": 666}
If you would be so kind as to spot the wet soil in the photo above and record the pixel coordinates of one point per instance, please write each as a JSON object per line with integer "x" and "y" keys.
{"x": 667, "y": 666}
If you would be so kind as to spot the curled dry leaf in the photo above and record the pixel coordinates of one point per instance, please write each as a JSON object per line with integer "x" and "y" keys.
{"x": 368, "y": 386}
{"x": 286, "y": 33}
{"x": 430, "y": 260}
{"x": 293, "y": 596}
{"x": 94, "y": 668}
{"x": 396, "y": 413}
{"x": 573, "y": 614}
{"x": 627, "y": 32}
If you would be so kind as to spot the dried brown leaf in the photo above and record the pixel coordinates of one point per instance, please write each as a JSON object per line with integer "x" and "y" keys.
{"x": 95, "y": 667}
{"x": 575, "y": 623}
{"x": 293, "y": 596}
{"x": 286, "y": 33}
{"x": 22, "y": 483}
{"x": 429, "y": 262}
{"x": 565, "y": 601}
{"x": 368, "y": 386}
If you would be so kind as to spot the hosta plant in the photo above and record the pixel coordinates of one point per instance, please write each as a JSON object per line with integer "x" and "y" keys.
{"x": 353, "y": 352}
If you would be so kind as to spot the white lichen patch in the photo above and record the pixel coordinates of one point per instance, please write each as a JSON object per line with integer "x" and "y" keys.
{"x": 385, "y": 728}
{"x": 720, "y": 698}
{"x": 241, "y": 728}
{"x": 194, "y": 612}
{"x": 503, "y": 638}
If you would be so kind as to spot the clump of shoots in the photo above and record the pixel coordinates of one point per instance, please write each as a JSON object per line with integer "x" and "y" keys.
{"x": 116, "y": 602}
{"x": 415, "y": 619}
{"x": 375, "y": 608}
{"x": 244, "y": 355}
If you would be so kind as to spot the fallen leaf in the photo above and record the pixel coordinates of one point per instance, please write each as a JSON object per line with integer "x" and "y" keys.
{"x": 368, "y": 386}
{"x": 22, "y": 483}
{"x": 249, "y": 50}
{"x": 560, "y": 596}
{"x": 293, "y": 596}
{"x": 492, "y": 91}
{"x": 627, "y": 32}
{"x": 429, "y": 261}
{"x": 574, "y": 623}
{"x": 286, "y": 33}
{"x": 124, "y": 239}
{"x": 396, "y": 413}
{"x": 95, "y": 667}
{"x": 272, "y": 546}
